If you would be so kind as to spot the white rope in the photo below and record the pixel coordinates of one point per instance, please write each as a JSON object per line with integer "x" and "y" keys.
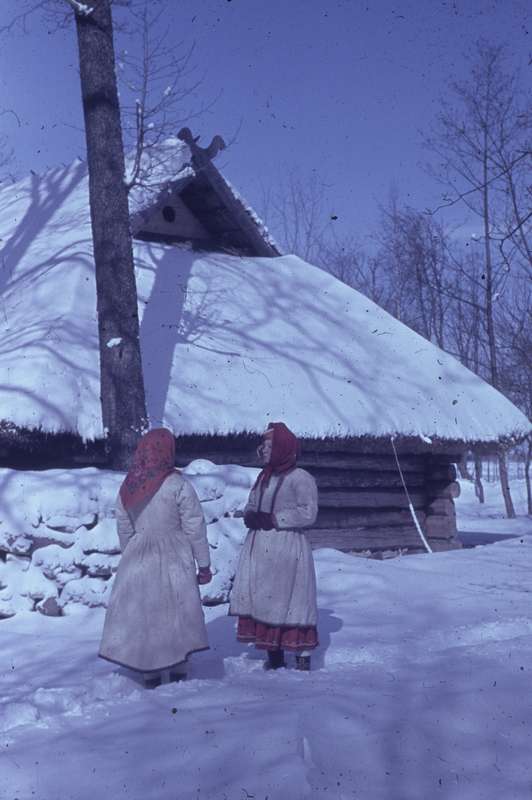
{"x": 410, "y": 506}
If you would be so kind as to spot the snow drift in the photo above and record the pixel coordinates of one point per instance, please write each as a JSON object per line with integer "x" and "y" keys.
{"x": 58, "y": 534}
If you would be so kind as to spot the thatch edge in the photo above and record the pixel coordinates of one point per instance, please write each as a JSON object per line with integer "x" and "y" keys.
{"x": 19, "y": 447}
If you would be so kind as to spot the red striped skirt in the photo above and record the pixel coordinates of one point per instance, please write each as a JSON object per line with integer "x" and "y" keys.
{"x": 276, "y": 637}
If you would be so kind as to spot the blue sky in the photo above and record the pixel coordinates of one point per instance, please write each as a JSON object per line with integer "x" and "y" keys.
{"x": 336, "y": 86}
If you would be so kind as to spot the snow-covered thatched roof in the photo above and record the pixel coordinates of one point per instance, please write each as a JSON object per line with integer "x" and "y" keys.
{"x": 228, "y": 342}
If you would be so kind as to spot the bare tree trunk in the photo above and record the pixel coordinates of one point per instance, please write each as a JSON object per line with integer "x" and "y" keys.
{"x": 482, "y": 143}
{"x": 527, "y": 475}
{"x": 479, "y": 488}
{"x": 505, "y": 485}
{"x": 490, "y": 327}
{"x": 122, "y": 385}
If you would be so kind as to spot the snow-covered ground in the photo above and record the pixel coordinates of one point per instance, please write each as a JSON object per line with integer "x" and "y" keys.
{"x": 420, "y": 690}
{"x": 58, "y": 540}
{"x": 490, "y": 516}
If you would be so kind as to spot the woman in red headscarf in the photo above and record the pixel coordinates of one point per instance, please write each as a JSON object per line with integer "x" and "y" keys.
{"x": 155, "y": 618}
{"x": 274, "y": 592}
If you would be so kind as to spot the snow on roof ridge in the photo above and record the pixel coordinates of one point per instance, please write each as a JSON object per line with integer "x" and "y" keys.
{"x": 259, "y": 222}
{"x": 167, "y": 162}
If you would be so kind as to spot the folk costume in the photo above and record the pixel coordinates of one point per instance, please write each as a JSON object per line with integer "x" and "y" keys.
{"x": 155, "y": 617}
{"x": 274, "y": 591}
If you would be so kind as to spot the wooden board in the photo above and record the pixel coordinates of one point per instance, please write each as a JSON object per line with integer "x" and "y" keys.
{"x": 354, "y": 499}
{"x": 450, "y": 451}
{"x": 437, "y": 489}
{"x": 357, "y": 461}
{"x": 359, "y": 518}
{"x": 440, "y": 527}
{"x": 351, "y": 461}
{"x": 441, "y": 545}
{"x": 439, "y": 459}
{"x": 442, "y": 473}
{"x": 329, "y": 455}
{"x": 364, "y": 539}
{"x": 329, "y": 478}
{"x": 442, "y": 506}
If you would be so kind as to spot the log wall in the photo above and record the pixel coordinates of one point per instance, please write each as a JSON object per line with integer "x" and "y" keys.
{"x": 363, "y": 506}
{"x": 362, "y": 503}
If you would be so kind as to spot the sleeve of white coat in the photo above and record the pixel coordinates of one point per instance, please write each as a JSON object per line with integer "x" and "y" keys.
{"x": 124, "y": 526}
{"x": 303, "y": 510}
{"x": 193, "y": 523}
{"x": 252, "y": 502}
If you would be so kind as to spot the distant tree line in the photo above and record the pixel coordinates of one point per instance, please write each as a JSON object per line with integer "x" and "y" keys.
{"x": 472, "y": 297}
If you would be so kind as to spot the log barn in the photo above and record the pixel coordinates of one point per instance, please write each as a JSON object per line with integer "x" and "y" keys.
{"x": 234, "y": 335}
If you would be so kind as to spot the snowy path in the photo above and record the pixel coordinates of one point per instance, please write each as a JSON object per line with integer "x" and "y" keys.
{"x": 421, "y": 690}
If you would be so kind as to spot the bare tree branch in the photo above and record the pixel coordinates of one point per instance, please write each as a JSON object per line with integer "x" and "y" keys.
{"x": 479, "y": 186}
{"x": 83, "y": 9}
{"x": 160, "y": 87}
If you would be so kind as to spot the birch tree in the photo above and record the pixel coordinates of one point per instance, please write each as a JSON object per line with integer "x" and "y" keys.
{"x": 480, "y": 139}
{"x": 413, "y": 247}
{"x": 122, "y": 384}
{"x": 121, "y": 379}
{"x": 159, "y": 80}
{"x": 158, "y": 86}
{"x": 296, "y": 210}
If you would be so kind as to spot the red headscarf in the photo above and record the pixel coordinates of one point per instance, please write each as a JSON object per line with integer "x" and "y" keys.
{"x": 285, "y": 450}
{"x": 153, "y": 461}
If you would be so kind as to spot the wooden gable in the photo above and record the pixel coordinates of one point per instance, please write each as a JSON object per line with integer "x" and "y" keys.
{"x": 203, "y": 210}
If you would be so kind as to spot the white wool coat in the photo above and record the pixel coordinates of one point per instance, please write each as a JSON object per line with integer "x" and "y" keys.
{"x": 275, "y": 580}
{"x": 155, "y": 618}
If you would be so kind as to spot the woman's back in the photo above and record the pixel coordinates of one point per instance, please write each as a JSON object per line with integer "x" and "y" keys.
{"x": 155, "y": 619}
{"x": 160, "y": 516}
{"x": 171, "y": 519}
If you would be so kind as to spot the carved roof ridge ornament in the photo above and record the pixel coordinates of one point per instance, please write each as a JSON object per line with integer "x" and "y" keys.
{"x": 244, "y": 218}
{"x": 210, "y": 152}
